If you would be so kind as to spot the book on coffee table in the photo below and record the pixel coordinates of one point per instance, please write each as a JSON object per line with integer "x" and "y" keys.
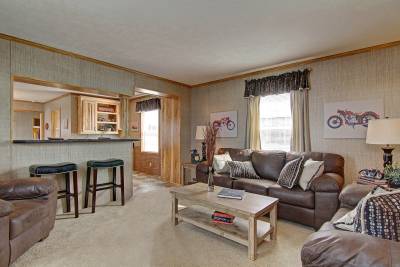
{"x": 231, "y": 193}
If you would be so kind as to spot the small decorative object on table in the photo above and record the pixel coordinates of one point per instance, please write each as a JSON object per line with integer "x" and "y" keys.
{"x": 195, "y": 157}
{"x": 210, "y": 136}
{"x": 392, "y": 175}
{"x": 372, "y": 177}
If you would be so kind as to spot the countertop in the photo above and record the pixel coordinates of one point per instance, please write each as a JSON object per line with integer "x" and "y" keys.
{"x": 61, "y": 141}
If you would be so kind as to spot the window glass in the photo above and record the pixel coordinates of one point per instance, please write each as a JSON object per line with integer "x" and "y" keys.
{"x": 149, "y": 129}
{"x": 275, "y": 122}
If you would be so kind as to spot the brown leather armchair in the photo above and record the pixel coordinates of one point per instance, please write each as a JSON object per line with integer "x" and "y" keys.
{"x": 27, "y": 215}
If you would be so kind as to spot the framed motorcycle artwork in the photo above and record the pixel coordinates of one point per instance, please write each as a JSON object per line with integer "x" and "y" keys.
{"x": 226, "y": 122}
{"x": 350, "y": 119}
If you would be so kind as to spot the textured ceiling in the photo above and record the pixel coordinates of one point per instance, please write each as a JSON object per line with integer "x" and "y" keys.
{"x": 196, "y": 41}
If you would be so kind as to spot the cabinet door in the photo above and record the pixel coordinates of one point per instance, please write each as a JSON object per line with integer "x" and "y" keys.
{"x": 88, "y": 116}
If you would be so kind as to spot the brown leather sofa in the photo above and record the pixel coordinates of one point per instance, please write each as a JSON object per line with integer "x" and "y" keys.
{"x": 332, "y": 247}
{"x": 312, "y": 207}
{"x": 27, "y": 215}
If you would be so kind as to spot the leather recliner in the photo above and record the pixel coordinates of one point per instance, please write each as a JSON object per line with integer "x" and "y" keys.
{"x": 312, "y": 207}
{"x": 332, "y": 247}
{"x": 27, "y": 215}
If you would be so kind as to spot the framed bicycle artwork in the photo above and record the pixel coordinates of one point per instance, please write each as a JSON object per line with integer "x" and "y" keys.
{"x": 226, "y": 122}
{"x": 350, "y": 119}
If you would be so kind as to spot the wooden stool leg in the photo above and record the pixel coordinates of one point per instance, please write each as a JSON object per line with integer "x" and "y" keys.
{"x": 68, "y": 192}
{"x": 88, "y": 172}
{"x": 94, "y": 190}
{"x": 122, "y": 185}
{"x": 114, "y": 177}
{"x": 75, "y": 184}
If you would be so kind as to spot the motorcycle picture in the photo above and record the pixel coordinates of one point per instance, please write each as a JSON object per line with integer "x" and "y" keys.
{"x": 224, "y": 122}
{"x": 350, "y": 118}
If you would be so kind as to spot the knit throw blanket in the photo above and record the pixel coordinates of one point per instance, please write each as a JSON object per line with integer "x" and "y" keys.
{"x": 377, "y": 214}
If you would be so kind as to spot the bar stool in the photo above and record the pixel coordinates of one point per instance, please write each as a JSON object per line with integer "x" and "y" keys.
{"x": 61, "y": 168}
{"x": 101, "y": 164}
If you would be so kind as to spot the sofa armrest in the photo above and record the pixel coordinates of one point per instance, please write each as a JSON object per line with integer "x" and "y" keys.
{"x": 5, "y": 208}
{"x": 328, "y": 182}
{"x": 342, "y": 248}
{"x": 26, "y": 188}
{"x": 352, "y": 194}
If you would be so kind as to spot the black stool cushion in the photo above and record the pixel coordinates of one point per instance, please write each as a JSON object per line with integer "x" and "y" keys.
{"x": 64, "y": 167}
{"x": 108, "y": 163}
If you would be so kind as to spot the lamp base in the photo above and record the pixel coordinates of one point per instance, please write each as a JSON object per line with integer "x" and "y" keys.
{"x": 387, "y": 156}
{"x": 203, "y": 151}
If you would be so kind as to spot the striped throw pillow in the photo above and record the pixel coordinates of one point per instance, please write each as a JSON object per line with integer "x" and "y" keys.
{"x": 290, "y": 173}
{"x": 242, "y": 169}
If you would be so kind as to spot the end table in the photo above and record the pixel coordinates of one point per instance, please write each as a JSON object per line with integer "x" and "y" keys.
{"x": 192, "y": 167}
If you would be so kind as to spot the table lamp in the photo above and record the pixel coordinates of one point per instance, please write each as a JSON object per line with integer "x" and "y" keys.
{"x": 200, "y": 131}
{"x": 384, "y": 132}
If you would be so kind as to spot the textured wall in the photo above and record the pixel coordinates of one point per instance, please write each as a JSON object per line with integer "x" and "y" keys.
{"x": 23, "y": 123}
{"x": 363, "y": 76}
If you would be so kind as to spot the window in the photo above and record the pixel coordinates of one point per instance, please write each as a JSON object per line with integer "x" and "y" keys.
{"x": 149, "y": 129}
{"x": 275, "y": 122}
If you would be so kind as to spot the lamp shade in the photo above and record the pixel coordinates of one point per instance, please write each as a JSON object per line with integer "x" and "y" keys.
{"x": 200, "y": 130}
{"x": 383, "y": 132}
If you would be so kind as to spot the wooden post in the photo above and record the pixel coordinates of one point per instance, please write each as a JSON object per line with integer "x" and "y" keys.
{"x": 273, "y": 221}
{"x": 252, "y": 247}
{"x": 174, "y": 210}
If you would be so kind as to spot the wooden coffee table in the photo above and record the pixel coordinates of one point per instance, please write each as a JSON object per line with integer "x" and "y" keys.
{"x": 250, "y": 227}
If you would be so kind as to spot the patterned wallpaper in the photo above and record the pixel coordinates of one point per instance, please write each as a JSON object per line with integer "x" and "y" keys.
{"x": 364, "y": 76}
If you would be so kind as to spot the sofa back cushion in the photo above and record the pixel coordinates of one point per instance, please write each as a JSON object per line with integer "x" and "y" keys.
{"x": 268, "y": 164}
{"x": 333, "y": 163}
{"x": 237, "y": 154}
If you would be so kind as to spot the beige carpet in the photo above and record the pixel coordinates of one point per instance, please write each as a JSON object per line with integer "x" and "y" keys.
{"x": 141, "y": 234}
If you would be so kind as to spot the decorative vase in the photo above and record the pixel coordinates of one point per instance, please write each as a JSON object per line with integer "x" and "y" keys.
{"x": 210, "y": 181}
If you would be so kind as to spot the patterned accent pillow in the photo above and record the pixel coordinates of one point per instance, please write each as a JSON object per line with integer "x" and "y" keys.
{"x": 220, "y": 163}
{"x": 242, "y": 169}
{"x": 311, "y": 170}
{"x": 290, "y": 173}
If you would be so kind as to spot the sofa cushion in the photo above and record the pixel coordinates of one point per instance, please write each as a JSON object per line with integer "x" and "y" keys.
{"x": 290, "y": 173}
{"x": 268, "y": 164}
{"x": 295, "y": 196}
{"x": 26, "y": 214}
{"x": 242, "y": 169}
{"x": 256, "y": 186}
{"x": 222, "y": 180}
{"x": 237, "y": 154}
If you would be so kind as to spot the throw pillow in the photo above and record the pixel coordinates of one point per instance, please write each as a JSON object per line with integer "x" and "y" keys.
{"x": 311, "y": 170}
{"x": 379, "y": 215}
{"x": 290, "y": 173}
{"x": 242, "y": 169}
{"x": 219, "y": 163}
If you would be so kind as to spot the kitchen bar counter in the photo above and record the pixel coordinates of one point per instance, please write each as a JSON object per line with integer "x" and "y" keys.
{"x": 62, "y": 141}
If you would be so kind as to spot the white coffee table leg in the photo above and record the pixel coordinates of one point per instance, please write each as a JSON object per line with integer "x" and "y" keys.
{"x": 252, "y": 248}
{"x": 174, "y": 210}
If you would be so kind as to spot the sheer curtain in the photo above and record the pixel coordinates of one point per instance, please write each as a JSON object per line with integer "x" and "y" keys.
{"x": 301, "y": 141}
{"x": 253, "y": 123}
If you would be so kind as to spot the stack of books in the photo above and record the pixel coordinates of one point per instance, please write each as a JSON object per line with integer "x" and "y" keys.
{"x": 223, "y": 218}
{"x": 372, "y": 181}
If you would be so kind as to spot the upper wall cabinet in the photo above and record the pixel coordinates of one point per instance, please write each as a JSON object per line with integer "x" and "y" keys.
{"x": 98, "y": 115}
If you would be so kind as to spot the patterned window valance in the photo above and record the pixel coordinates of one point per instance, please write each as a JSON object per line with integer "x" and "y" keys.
{"x": 273, "y": 85}
{"x": 148, "y": 105}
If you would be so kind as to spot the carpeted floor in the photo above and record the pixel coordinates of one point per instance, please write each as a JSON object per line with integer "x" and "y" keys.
{"x": 141, "y": 234}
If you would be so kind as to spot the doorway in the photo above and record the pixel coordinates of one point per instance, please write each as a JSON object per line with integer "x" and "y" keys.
{"x": 157, "y": 153}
